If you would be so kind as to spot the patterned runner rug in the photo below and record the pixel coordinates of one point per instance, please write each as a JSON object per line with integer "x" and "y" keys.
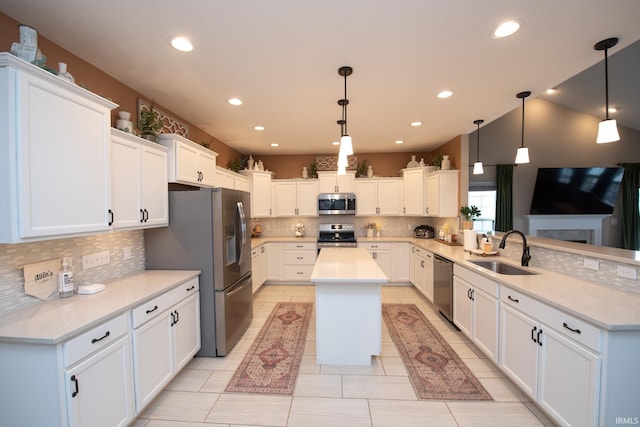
{"x": 272, "y": 363}
{"x": 435, "y": 370}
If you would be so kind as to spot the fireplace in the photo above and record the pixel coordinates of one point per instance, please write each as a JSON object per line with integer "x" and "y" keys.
{"x": 574, "y": 228}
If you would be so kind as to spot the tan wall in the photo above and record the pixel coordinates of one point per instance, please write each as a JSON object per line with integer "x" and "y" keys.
{"x": 104, "y": 85}
{"x": 384, "y": 164}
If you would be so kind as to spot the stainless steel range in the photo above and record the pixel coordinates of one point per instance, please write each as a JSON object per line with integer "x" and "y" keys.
{"x": 337, "y": 236}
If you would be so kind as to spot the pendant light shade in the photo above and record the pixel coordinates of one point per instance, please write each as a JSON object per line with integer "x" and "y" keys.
{"x": 346, "y": 145}
{"x": 607, "y": 129}
{"x": 522, "y": 155}
{"x": 477, "y": 166}
{"x": 607, "y": 132}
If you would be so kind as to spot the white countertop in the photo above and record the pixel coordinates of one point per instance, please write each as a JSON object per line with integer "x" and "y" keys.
{"x": 602, "y": 306}
{"x": 342, "y": 265}
{"x": 57, "y": 320}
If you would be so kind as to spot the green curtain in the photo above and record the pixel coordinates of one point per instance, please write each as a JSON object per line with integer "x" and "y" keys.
{"x": 504, "y": 197}
{"x": 631, "y": 206}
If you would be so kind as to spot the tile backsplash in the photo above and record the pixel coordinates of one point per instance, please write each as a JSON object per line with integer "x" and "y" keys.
{"x": 14, "y": 256}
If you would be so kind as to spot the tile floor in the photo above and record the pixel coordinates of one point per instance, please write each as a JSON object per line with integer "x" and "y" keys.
{"x": 377, "y": 395}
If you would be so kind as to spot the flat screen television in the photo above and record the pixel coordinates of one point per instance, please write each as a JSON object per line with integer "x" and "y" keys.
{"x": 576, "y": 191}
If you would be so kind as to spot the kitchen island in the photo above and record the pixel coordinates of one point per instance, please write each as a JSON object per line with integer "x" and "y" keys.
{"x": 348, "y": 306}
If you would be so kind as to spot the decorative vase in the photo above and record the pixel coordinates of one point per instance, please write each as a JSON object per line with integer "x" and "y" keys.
{"x": 370, "y": 172}
{"x": 250, "y": 162}
{"x": 413, "y": 163}
{"x": 305, "y": 172}
{"x": 62, "y": 72}
{"x": 446, "y": 163}
{"x": 124, "y": 124}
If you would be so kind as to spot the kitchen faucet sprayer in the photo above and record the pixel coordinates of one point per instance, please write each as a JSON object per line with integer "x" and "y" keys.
{"x": 525, "y": 249}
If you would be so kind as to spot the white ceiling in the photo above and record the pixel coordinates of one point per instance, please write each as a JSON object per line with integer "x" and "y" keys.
{"x": 281, "y": 57}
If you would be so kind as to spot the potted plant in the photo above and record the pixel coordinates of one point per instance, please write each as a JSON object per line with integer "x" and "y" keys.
{"x": 470, "y": 213}
{"x": 150, "y": 123}
{"x": 437, "y": 161}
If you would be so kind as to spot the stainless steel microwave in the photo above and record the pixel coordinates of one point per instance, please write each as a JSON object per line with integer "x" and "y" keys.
{"x": 336, "y": 204}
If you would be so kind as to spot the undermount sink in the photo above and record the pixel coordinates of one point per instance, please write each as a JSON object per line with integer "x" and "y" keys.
{"x": 502, "y": 268}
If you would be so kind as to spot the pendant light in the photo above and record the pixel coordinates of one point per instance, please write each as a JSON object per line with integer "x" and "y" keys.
{"x": 522, "y": 155}
{"x": 346, "y": 144}
{"x": 608, "y": 128}
{"x": 477, "y": 166}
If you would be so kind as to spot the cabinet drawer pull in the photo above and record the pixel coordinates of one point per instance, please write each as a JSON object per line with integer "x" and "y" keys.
{"x": 513, "y": 299}
{"x": 374, "y": 246}
{"x": 577, "y": 331}
{"x": 153, "y": 309}
{"x": 192, "y": 287}
{"x": 74, "y": 380}
{"x": 299, "y": 257}
{"x": 95, "y": 340}
{"x": 533, "y": 332}
{"x": 300, "y": 272}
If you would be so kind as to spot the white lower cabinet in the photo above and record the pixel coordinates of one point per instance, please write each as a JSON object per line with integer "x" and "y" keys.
{"x": 99, "y": 390}
{"x": 421, "y": 271}
{"x": 166, "y": 335}
{"x": 299, "y": 260}
{"x": 275, "y": 264}
{"x": 558, "y": 366}
{"x": 400, "y": 262}
{"x": 258, "y": 267}
{"x": 381, "y": 254}
{"x": 475, "y": 309}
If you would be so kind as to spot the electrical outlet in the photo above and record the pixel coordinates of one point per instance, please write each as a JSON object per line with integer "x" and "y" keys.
{"x": 409, "y": 227}
{"x": 627, "y": 272}
{"x": 126, "y": 253}
{"x": 95, "y": 260}
{"x": 591, "y": 264}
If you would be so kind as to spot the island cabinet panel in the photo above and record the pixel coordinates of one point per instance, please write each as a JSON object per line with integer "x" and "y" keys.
{"x": 54, "y": 157}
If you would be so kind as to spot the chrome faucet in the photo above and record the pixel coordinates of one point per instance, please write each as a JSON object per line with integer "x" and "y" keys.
{"x": 525, "y": 249}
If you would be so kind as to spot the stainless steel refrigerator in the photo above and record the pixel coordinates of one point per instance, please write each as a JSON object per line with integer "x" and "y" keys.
{"x": 208, "y": 231}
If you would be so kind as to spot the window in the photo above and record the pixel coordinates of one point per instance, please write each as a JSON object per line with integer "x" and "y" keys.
{"x": 485, "y": 200}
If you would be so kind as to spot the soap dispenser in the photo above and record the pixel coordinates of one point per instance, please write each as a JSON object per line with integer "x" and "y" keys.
{"x": 66, "y": 287}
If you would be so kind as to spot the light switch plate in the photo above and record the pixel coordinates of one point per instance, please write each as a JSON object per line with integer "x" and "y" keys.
{"x": 591, "y": 264}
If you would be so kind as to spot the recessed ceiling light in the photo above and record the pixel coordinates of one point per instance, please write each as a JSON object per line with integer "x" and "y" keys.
{"x": 506, "y": 29}
{"x": 399, "y": 141}
{"x": 234, "y": 101}
{"x": 335, "y": 143}
{"x": 182, "y": 44}
{"x": 415, "y": 124}
{"x": 551, "y": 91}
{"x": 258, "y": 127}
{"x": 275, "y": 144}
{"x": 444, "y": 94}
{"x": 613, "y": 109}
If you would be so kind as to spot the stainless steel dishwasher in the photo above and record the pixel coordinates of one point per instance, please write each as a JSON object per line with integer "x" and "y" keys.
{"x": 443, "y": 286}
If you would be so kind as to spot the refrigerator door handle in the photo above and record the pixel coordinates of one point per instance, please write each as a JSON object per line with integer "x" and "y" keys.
{"x": 243, "y": 229}
{"x": 239, "y": 289}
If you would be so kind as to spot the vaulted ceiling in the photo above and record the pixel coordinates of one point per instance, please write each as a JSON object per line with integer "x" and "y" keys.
{"x": 281, "y": 58}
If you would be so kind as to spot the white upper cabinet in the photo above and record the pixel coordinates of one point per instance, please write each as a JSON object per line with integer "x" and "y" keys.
{"x": 442, "y": 193}
{"x": 379, "y": 196}
{"x": 54, "y": 155}
{"x": 331, "y": 182}
{"x": 260, "y": 189}
{"x": 430, "y": 194}
{"x": 189, "y": 163}
{"x": 139, "y": 196}
{"x": 295, "y": 197}
{"x": 226, "y": 178}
